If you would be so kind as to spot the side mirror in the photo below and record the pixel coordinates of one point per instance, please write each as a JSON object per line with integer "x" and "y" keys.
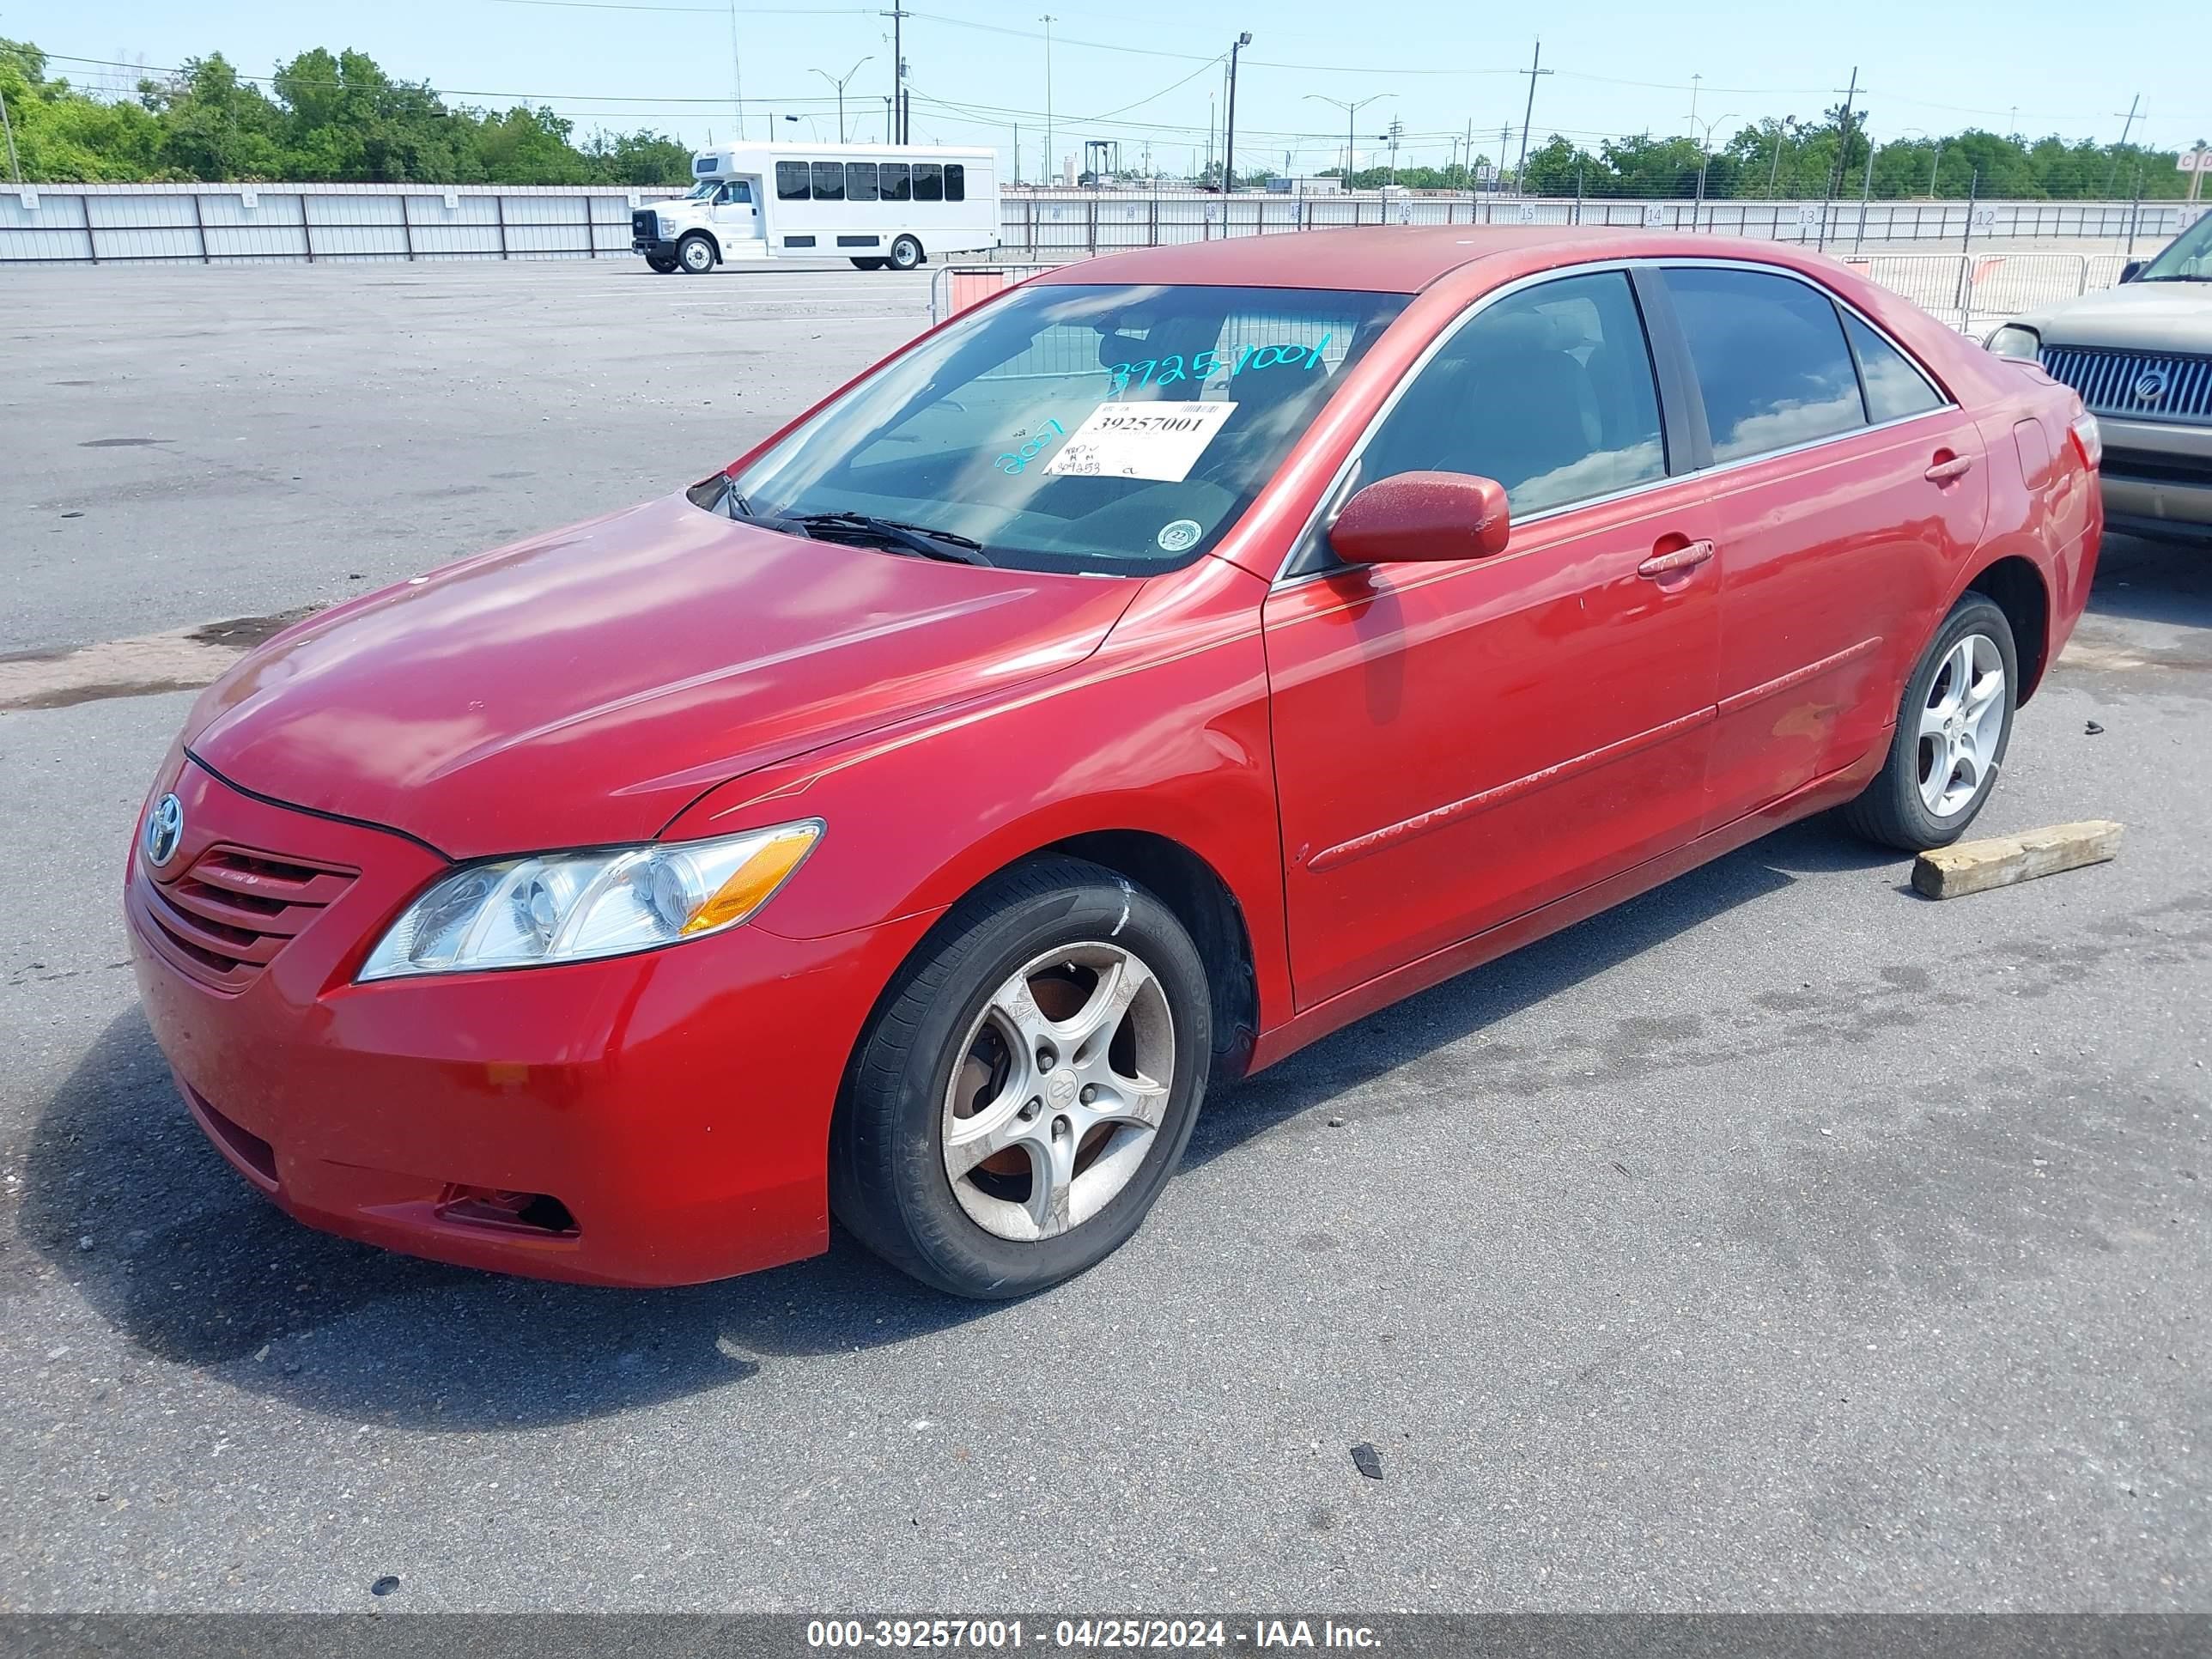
{"x": 1423, "y": 518}
{"x": 2131, "y": 271}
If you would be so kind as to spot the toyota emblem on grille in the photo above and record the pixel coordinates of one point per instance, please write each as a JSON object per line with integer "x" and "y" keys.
{"x": 165, "y": 830}
{"x": 2150, "y": 387}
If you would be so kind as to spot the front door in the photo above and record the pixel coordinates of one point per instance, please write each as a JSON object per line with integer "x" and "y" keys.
{"x": 736, "y": 214}
{"x": 1458, "y": 744}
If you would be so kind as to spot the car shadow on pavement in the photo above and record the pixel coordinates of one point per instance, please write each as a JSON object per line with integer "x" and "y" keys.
{"x": 123, "y": 1199}
{"x": 2144, "y": 581}
{"x": 1404, "y": 1032}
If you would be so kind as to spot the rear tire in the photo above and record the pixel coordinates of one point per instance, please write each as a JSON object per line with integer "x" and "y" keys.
{"x": 1952, "y": 729}
{"x": 697, "y": 255}
{"x": 906, "y": 254}
{"x": 1050, "y": 1040}
{"x": 874, "y": 263}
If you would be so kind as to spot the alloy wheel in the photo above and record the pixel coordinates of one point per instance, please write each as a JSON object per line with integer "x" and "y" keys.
{"x": 1961, "y": 725}
{"x": 1059, "y": 1091}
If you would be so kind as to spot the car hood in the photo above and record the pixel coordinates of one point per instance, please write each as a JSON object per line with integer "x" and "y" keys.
{"x": 582, "y": 687}
{"x": 2134, "y": 316}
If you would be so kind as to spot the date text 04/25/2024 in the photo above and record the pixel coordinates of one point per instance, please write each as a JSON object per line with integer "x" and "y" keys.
{"x": 1088, "y": 1634}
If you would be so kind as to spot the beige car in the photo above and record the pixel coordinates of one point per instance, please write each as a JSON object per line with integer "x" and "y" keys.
{"x": 2141, "y": 357}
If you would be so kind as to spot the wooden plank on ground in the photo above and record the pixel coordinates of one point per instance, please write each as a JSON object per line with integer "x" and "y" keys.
{"x": 1975, "y": 866}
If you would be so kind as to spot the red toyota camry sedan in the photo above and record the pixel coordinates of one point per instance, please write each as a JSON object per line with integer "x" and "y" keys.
{"x": 1135, "y": 677}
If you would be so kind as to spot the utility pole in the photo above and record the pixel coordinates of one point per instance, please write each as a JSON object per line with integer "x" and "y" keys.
{"x": 1397, "y": 131}
{"x": 738, "y": 80}
{"x": 1694, "y": 104}
{"x": 1228, "y": 156}
{"x": 898, "y": 72}
{"x": 2196, "y": 175}
{"x": 1535, "y": 68}
{"x": 1866, "y": 190}
{"x": 14, "y": 165}
{"x": 1497, "y": 172}
{"x": 1051, "y": 167}
{"x": 2135, "y": 104}
{"x": 839, "y": 83}
{"x": 1350, "y": 106}
{"x": 1843, "y": 156}
{"x": 1018, "y": 155}
{"x": 1774, "y": 167}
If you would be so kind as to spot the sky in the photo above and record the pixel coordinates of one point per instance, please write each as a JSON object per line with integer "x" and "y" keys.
{"x": 1148, "y": 72}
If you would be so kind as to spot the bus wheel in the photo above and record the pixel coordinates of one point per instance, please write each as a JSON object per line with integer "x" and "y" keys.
{"x": 870, "y": 264}
{"x": 906, "y": 254}
{"x": 697, "y": 255}
{"x": 660, "y": 263}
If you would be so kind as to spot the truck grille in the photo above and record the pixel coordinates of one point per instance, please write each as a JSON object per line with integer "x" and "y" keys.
{"x": 225, "y": 917}
{"x": 643, "y": 225}
{"x": 2114, "y": 383}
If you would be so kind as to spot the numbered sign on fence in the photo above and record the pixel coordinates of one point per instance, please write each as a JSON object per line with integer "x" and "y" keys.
{"x": 1985, "y": 218}
{"x": 1655, "y": 215}
{"x": 1808, "y": 216}
{"x": 1527, "y": 213}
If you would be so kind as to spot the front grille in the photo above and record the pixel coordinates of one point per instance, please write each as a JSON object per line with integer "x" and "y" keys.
{"x": 2112, "y": 382}
{"x": 225, "y": 916}
{"x": 643, "y": 225}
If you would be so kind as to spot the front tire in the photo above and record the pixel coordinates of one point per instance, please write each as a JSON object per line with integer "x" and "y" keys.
{"x": 1952, "y": 730}
{"x": 660, "y": 265}
{"x": 1027, "y": 1085}
{"x": 906, "y": 254}
{"x": 697, "y": 255}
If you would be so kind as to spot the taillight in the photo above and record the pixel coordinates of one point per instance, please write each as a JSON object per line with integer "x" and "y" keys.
{"x": 2088, "y": 442}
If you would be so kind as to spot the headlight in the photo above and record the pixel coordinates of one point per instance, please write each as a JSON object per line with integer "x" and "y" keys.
{"x": 2015, "y": 340}
{"x": 569, "y": 907}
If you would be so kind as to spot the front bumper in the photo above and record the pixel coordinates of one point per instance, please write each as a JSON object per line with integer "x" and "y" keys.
{"x": 2157, "y": 477}
{"x": 652, "y": 247}
{"x": 674, "y": 1105}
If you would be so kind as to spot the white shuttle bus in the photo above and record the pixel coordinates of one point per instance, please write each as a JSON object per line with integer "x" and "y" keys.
{"x": 879, "y": 205}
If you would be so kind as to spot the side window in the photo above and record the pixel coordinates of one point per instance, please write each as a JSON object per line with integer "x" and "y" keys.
{"x": 1770, "y": 356}
{"x": 859, "y": 181}
{"x": 956, "y": 182}
{"x": 928, "y": 182}
{"x": 1894, "y": 388}
{"x": 1550, "y": 391}
{"x": 829, "y": 181}
{"x": 897, "y": 183}
{"x": 739, "y": 191}
{"x": 791, "y": 182}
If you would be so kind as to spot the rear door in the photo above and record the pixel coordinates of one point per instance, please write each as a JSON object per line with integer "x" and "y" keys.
{"x": 1456, "y": 744}
{"x": 1847, "y": 491}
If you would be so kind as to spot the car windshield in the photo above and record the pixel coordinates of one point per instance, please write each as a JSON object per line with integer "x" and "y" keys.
{"x": 704, "y": 188}
{"x": 1108, "y": 429}
{"x": 2187, "y": 259}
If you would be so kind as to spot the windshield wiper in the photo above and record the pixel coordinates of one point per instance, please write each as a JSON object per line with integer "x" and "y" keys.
{"x": 949, "y": 545}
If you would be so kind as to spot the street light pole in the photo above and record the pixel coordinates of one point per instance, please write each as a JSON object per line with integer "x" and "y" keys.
{"x": 1535, "y": 68}
{"x": 840, "y": 85}
{"x": 1350, "y": 106}
{"x": 1229, "y": 146}
{"x": 14, "y": 165}
{"x": 1050, "y": 167}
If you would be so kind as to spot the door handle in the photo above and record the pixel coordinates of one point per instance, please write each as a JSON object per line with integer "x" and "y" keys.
{"x": 1954, "y": 466}
{"x": 1688, "y": 557}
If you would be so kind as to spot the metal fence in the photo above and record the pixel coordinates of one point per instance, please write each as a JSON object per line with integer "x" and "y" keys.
{"x": 1048, "y": 223}
{"x": 265, "y": 223}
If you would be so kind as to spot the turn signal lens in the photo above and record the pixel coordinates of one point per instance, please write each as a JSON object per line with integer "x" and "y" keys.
{"x": 2088, "y": 439}
{"x": 753, "y": 882}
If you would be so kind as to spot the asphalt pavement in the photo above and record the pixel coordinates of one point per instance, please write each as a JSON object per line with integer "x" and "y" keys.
{"x": 1780, "y": 1240}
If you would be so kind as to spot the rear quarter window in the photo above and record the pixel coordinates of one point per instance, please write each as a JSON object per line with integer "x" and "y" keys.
{"x": 1772, "y": 366}
{"x": 1894, "y": 388}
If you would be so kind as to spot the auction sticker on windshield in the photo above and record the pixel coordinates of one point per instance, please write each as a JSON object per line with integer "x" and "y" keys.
{"x": 1158, "y": 442}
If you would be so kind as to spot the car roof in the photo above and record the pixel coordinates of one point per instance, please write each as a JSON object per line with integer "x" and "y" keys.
{"x": 1395, "y": 258}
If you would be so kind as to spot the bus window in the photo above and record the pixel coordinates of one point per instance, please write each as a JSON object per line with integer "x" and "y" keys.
{"x": 737, "y": 190}
{"x": 928, "y": 182}
{"x": 791, "y": 182}
{"x": 897, "y": 186}
{"x": 859, "y": 181}
{"x": 829, "y": 181}
{"x": 956, "y": 182}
